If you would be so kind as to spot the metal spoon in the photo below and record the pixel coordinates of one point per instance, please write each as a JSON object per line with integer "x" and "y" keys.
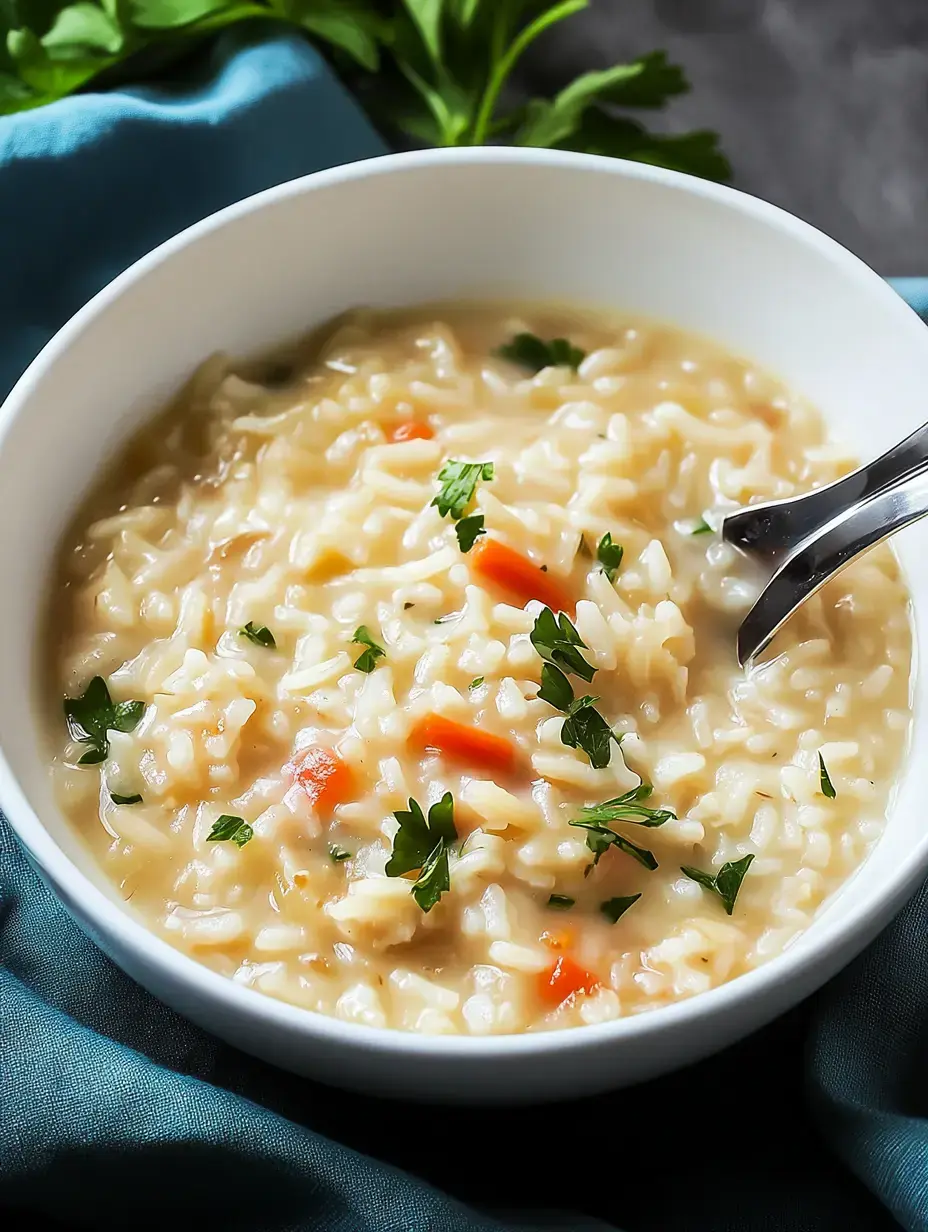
{"x": 802, "y": 542}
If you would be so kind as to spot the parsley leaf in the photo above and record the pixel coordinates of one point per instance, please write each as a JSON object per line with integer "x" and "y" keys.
{"x": 586, "y": 729}
{"x": 558, "y": 642}
{"x": 367, "y": 661}
{"x": 609, "y": 555}
{"x": 561, "y": 902}
{"x": 458, "y": 483}
{"x": 628, "y": 807}
{"x": 702, "y": 527}
{"x": 828, "y": 788}
{"x": 230, "y": 829}
{"x": 423, "y": 844}
{"x": 117, "y": 799}
{"x": 600, "y": 838}
{"x": 92, "y": 715}
{"x": 338, "y": 855}
{"x": 530, "y": 351}
{"x": 476, "y": 682}
{"x": 555, "y": 688}
{"x": 726, "y": 883}
{"x": 469, "y": 530}
{"x": 259, "y": 634}
{"x": 614, "y": 908}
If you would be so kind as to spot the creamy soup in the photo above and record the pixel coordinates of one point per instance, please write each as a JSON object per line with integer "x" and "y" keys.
{"x": 402, "y": 684}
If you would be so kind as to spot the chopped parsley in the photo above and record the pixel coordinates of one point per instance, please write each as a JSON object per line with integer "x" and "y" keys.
{"x": 828, "y": 787}
{"x": 230, "y": 829}
{"x": 92, "y": 715}
{"x": 628, "y": 807}
{"x": 259, "y": 634}
{"x": 423, "y": 844}
{"x": 458, "y": 483}
{"x": 561, "y": 902}
{"x": 702, "y": 527}
{"x": 476, "y": 682}
{"x": 725, "y": 883}
{"x": 609, "y": 555}
{"x": 614, "y": 908}
{"x": 558, "y": 642}
{"x": 117, "y": 799}
{"x": 600, "y": 838}
{"x": 338, "y": 855}
{"x": 469, "y": 530}
{"x": 586, "y": 729}
{"x": 367, "y": 661}
{"x": 530, "y": 351}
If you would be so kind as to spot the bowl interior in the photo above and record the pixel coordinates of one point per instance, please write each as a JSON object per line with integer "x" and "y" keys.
{"x": 424, "y": 227}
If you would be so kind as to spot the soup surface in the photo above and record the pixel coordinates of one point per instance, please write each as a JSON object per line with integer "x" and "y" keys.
{"x": 373, "y": 657}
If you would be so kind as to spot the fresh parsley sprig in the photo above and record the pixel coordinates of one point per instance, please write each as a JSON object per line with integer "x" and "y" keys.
{"x": 458, "y": 484}
{"x": 435, "y": 70}
{"x": 259, "y": 635}
{"x": 560, "y": 645}
{"x": 423, "y": 843}
{"x": 724, "y": 884}
{"x": 229, "y": 829}
{"x": 609, "y": 555}
{"x": 92, "y": 715}
{"x": 367, "y": 661}
{"x": 469, "y": 530}
{"x": 597, "y": 820}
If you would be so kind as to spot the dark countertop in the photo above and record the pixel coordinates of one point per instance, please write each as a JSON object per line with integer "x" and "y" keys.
{"x": 822, "y": 105}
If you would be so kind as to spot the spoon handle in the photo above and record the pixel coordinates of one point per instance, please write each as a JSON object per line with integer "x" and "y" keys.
{"x": 825, "y": 553}
{"x": 769, "y": 533}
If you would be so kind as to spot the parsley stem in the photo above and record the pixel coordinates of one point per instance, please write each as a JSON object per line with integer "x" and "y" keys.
{"x": 507, "y": 61}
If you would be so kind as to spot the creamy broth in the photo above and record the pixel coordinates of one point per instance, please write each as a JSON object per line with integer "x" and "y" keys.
{"x": 275, "y": 534}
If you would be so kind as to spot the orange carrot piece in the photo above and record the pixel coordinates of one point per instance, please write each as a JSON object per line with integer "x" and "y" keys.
{"x": 325, "y": 778}
{"x": 563, "y": 980}
{"x": 463, "y": 743}
{"x": 412, "y": 430}
{"x": 517, "y": 575}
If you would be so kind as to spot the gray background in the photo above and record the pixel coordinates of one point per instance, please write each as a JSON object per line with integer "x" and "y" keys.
{"x": 822, "y": 105}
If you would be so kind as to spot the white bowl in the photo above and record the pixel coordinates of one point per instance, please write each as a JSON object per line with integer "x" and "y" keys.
{"x": 397, "y": 230}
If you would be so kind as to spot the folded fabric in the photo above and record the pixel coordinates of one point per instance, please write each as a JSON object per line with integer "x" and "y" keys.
{"x": 115, "y": 1112}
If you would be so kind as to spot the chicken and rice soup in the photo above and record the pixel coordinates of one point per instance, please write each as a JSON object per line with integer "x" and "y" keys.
{"x": 400, "y": 678}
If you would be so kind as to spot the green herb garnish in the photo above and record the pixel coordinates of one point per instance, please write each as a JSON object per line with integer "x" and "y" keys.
{"x": 600, "y": 838}
{"x": 561, "y": 902}
{"x": 423, "y": 844}
{"x": 586, "y": 729}
{"x": 609, "y": 555}
{"x": 628, "y": 807}
{"x": 338, "y": 855}
{"x": 725, "y": 883}
{"x": 530, "y": 351}
{"x": 117, "y": 799}
{"x": 92, "y": 715}
{"x": 367, "y": 661}
{"x": 558, "y": 642}
{"x": 230, "y": 829}
{"x": 476, "y": 682}
{"x": 469, "y": 530}
{"x": 702, "y": 527}
{"x": 828, "y": 788}
{"x": 259, "y": 634}
{"x": 614, "y": 908}
{"x": 555, "y": 689}
{"x": 458, "y": 483}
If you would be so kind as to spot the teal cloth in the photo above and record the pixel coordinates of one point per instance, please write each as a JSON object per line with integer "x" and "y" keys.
{"x": 116, "y": 1113}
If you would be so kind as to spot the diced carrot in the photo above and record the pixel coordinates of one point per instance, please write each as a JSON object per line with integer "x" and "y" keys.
{"x": 412, "y": 430}
{"x": 563, "y": 980}
{"x": 325, "y": 778}
{"x": 557, "y": 939}
{"x": 464, "y": 743}
{"x": 517, "y": 575}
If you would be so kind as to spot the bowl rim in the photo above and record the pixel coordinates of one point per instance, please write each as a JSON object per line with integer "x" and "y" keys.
{"x": 822, "y": 938}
